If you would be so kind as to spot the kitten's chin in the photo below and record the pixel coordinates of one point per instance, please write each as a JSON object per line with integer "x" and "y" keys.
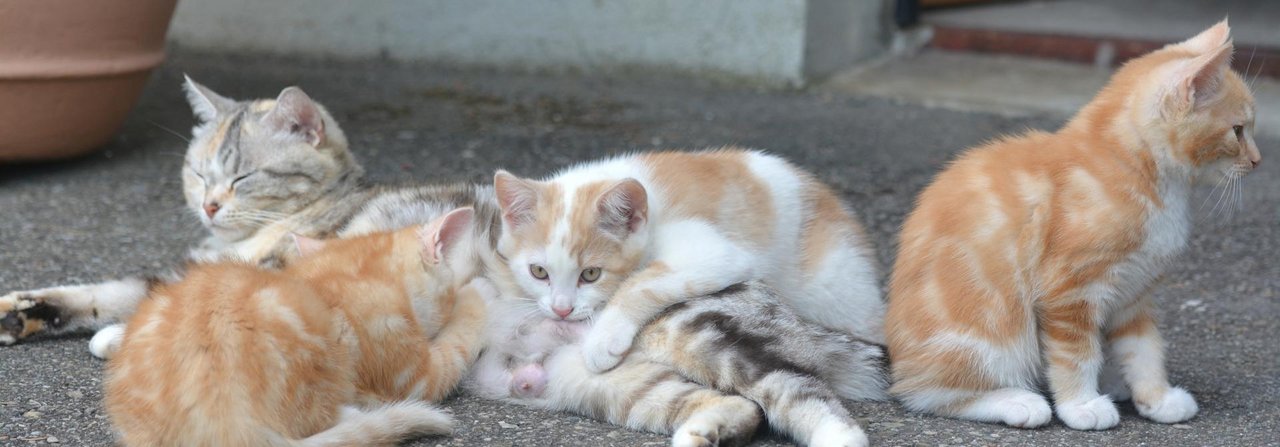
{"x": 227, "y": 233}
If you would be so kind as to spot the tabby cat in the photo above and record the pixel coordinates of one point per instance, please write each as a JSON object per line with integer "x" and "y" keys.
{"x": 254, "y": 173}
{"x": 1034, "y": 257}
{"x": 239, "y": 355}
{"x": 687, "y": 365}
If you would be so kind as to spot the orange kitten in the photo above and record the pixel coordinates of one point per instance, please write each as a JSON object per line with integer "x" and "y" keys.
{"x": 1046, "y": 246}
{"x": 334, "y": 350}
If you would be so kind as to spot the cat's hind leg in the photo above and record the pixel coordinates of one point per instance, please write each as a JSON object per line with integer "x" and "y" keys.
{"x": 649, "y": 396}
{"x": 839, "y": 288}
{"x": 966, "y": 377}
{"x": 58, "y": 310}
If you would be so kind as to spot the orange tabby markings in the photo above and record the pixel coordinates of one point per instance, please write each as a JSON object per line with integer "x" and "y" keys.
{"x": 1043, "y": 246}
{"x": 237, "y": 355}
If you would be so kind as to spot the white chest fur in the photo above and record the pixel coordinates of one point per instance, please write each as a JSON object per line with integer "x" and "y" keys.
{"x": 1166, "y": 231}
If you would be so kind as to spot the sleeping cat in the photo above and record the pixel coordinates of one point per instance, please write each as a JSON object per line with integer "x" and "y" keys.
{"x": 328, "y": 352}
{"x": 254, "y": 173}
{"x": 740, "y": 340}
{"x": 1034, "y": 257}
{"x": 647, "y": 231}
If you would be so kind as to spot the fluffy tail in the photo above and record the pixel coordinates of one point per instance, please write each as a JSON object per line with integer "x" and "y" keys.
{"x": 456, "y": 347}
{"x": 382, "y": 426}
{"x": 857, "y": 370}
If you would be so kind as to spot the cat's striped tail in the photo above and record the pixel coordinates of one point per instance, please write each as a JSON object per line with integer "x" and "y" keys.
{"x": 387, "y": 425}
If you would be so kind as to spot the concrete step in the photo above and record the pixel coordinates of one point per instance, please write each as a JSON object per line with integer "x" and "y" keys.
{"x": 1107, "y": 32}
{"x": 1006, "y": 85}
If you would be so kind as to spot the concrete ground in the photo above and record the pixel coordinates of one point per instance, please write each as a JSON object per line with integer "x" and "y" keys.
{"x": 119, "y": 212}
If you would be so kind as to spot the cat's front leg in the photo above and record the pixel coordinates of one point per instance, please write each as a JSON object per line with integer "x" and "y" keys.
{"x": 1073, "y": 351}
{"x": 1135, "y": 345}
{"x": 57, "y": 310}
{"x": 692, "y": 259}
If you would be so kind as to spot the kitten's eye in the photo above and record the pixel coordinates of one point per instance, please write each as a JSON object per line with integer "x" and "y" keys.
{"x": 590, "y": 275}
{"x": 238, "y": 179}
{"x": 1239, "y": 131}
{"x": 537, "y": 271}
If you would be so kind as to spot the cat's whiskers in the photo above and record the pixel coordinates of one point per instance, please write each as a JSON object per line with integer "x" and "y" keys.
{"x": 1222, "y": 179}
{"x": 171, "y": 131}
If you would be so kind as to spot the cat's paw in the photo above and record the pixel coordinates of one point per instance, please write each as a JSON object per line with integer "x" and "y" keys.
{"x": 1176, "y": 405}
{"x": 106, "y": 341}
{"x": 838, "y": 435}
{"x": 1026, "y": 410}
{"x": 1098, "y": 413}
{"x": 23, "y": 314}
{"x": 607, "y": 343}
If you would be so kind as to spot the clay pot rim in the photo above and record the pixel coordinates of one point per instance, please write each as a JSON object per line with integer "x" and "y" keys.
{"x": 66, "y": 67}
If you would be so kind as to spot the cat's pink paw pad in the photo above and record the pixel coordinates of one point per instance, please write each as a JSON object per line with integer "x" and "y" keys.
{"x": 1098, "y": 413}
{"x": 529, "y": 381}
{"x": 1027, "y": 411}
{"x": 1176, "y": 405}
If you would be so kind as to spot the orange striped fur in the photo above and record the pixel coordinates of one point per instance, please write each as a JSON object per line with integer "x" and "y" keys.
{"x": 238, "y": 355}
{"x": 1046, "y": 245}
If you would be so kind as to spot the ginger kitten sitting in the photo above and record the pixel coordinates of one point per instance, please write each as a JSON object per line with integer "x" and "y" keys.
{"x": 1033, "y": 257}
{"x": 332, "y": 351}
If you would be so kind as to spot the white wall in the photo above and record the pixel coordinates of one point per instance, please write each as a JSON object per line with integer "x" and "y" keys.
{"x": 763, "y": 40}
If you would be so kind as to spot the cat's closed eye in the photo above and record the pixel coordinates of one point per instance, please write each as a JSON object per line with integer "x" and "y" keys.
{"x": 238, "y": 179}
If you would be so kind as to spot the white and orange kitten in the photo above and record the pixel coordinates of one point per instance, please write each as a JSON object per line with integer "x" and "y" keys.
{"x": 647, "y": 231}
{"x": 1033, "y": 258}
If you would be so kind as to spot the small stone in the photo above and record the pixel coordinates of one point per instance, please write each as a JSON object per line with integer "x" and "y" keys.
{"x": 52, "y": 440}
{"x": 74, "y": 394}
{"x": 505, "y": 425}
{"x": 33, "y": 414}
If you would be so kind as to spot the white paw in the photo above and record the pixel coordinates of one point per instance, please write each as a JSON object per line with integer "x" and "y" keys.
{"x": 106, "y": 341}
{"x": 1098, "y": 413}
{"x": 607, "y": 342}
{"x": 839, "y": 435}
{"x": 695, "y": 434}
{"x": 1177, "y": 405}
{"x": 1027, "y": 410}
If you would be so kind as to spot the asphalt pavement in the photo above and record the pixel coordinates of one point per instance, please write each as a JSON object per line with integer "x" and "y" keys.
{"x": 120, "y": 212}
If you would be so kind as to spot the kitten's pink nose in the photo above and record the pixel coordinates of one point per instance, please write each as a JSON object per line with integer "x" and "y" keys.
{"x": 211, "y": 208}
{"x": 562, "y": 311}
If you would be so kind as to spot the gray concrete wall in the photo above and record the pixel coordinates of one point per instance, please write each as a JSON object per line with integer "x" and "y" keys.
{"x": 771, "y": 41}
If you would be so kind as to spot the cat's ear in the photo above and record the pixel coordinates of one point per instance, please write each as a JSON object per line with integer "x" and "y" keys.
{"x": 1200, "y": 81}
{"x": 1209, "y": 39}
{"x": 623, "y": 208}
{"x": 517, "y": 197}
{"x": 306, "y": 245}
{"x": 206, "y": 104}
{"x": 295, "y": 115}
{"x": 444, "y": 232}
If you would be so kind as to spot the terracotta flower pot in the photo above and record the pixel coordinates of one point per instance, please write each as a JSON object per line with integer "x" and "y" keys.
{"x": 70, "y": 71}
